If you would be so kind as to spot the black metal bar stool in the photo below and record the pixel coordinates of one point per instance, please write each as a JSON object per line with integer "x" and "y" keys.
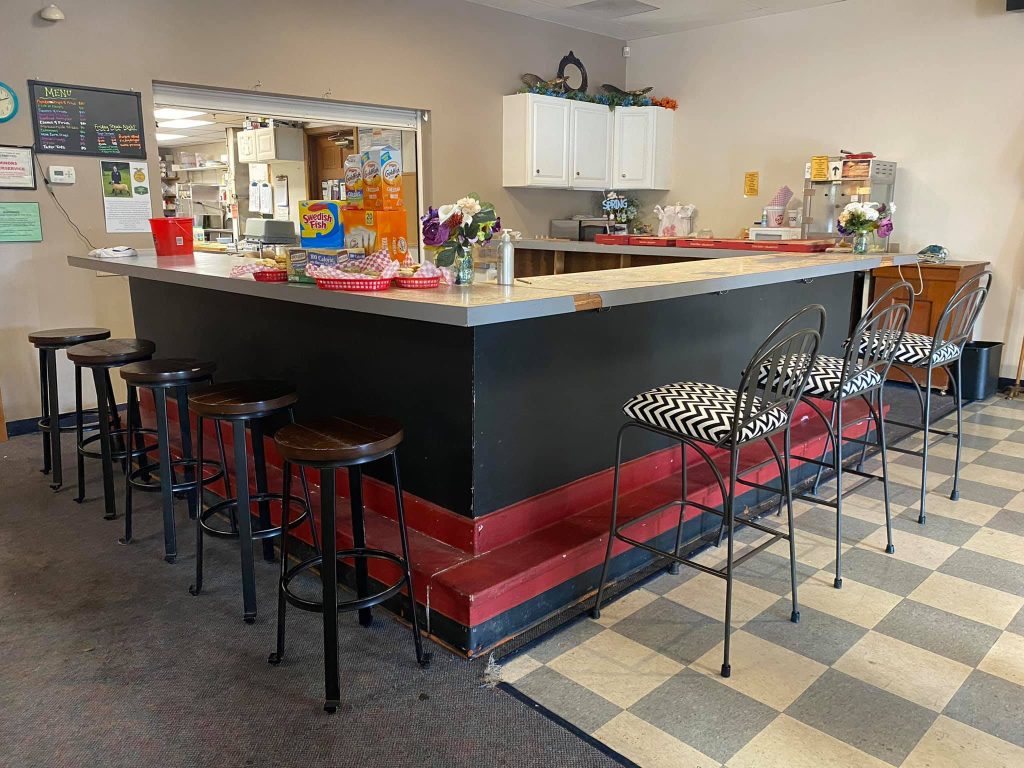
{"x": 48, "y": 342}
{"x": 329, "y": 444}
{"x": 858, "y": 375}
{"x": 943, "y": 350}
{"x": 246, "y": 404}
{"x": 698, "y": 414}
{"x": 115, "y": 443}
{"x": 169, "y": 378}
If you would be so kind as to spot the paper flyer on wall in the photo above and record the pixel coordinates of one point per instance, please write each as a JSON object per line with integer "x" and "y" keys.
{"x": 126, "y": 199}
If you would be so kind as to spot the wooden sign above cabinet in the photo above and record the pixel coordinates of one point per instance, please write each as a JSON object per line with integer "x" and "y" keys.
{"x": 554, "y": 143}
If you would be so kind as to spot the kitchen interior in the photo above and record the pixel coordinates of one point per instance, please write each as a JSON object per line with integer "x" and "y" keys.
{"x": 240, "y": 177}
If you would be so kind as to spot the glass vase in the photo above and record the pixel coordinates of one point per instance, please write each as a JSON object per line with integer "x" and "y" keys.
{"x": 464, "y": 269}
{"x": 861, "y": 242}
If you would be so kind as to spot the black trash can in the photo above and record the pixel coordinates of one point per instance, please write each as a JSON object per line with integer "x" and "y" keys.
{"x": 980, "y": 369}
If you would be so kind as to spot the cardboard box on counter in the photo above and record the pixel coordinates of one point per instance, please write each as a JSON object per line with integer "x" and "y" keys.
{"x": 321, "y": 224}
{"x": 371, "y": 230}
{"x": 300, "y": 258}
{"x": 382, "y": 179}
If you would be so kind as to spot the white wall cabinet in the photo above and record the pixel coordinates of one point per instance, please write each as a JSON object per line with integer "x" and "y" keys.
{"x": 264, "y": 145}
{"x": 590, "y": 146}
{"x": 642, "y": 156}
{"x": 564, "y": 144}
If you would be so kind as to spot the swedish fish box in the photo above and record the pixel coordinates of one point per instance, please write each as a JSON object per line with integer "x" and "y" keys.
{"x": 369, "y": 231}
{"x": 321, "y": 224}
{"x": 382, "y": 179}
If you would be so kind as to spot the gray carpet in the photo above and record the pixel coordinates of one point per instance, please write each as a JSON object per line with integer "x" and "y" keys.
{"x": 106, "y": 660}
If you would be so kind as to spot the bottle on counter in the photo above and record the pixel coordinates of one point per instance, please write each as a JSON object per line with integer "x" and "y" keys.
{"x": 764, "y": 217}
{"x": 506, "y": 260}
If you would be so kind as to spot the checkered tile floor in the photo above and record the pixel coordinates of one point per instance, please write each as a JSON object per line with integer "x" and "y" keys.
{"x": 917, "y": 661}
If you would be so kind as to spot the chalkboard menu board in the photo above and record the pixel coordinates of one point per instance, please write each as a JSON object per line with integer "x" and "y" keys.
{"x": 95, "y": 122}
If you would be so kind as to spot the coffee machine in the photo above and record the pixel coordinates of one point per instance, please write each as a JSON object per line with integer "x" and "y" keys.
{"x": 849, "y": 179}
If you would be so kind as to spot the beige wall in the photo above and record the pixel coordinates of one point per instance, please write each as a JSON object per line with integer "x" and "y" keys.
{"x": 932, "y": 84}
{"x": 453, "y": 58}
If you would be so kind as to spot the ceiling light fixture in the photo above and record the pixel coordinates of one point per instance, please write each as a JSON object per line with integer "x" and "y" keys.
{"x": 51, "y": 13}
{"x": 183, "y": 123}
{"x": 173, "y": 113}
{"x": 169, "y": 136}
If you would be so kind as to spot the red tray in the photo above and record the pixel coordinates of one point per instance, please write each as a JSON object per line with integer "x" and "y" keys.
{"x": 271, "y": 276}
{"x": 611, "y": 239}
{"x": 418, "y": 282}
{"x": 348, "y": 284}
{"x": 664, "y": 242}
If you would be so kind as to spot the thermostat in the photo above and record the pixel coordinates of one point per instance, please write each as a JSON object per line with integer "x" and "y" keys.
{"x": 61, "y": 174}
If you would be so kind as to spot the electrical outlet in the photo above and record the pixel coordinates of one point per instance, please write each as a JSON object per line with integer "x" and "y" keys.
{"x": 61, "y": 174}
{"x": 625, "y": 51}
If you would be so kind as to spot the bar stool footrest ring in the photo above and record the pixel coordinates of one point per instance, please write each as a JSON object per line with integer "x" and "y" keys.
{"x": 315, "y": 606}
{"x": 264, "y": 533}
{"x": 44, "y": 423}
{"x": 186, "y": 485}
{"x": 114, "y": 435}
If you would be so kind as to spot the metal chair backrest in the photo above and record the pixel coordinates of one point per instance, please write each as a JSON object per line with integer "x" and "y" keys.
{"x": 878, "y": 334}
{"x": 956, "y": 324}
{"x": 787, "y": 356}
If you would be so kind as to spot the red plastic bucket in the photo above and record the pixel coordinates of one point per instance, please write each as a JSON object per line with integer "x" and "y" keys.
{"x": 172, "y": 236}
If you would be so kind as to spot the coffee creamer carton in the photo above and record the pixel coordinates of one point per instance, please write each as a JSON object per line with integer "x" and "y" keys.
{"x": 321, "y": 224}
{"x": 369, "y": 231}
{"x": 382, "y": 179}
{"x": 354, "y": 180}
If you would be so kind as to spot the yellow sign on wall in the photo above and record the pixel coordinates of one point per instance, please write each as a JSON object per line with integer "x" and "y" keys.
{"x": 819, "y": 168}
{"x": 751, "y": 183}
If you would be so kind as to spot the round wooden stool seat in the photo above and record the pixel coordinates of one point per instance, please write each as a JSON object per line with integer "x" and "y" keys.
{"x": 111, "y": 352}
{"x": 335, "y": 440}
{"x": 58, "y": 338}
{"x": 242, "y": 399}
{"x": 170, "y": 372}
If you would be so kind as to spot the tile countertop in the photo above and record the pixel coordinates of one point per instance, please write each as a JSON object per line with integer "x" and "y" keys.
{"x": 486, "y": 303}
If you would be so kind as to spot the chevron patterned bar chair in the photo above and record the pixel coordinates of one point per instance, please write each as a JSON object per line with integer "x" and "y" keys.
{"x": 705, "y": 417}
{"x": 943, "y": 350}
{"x": 857, "y": 375}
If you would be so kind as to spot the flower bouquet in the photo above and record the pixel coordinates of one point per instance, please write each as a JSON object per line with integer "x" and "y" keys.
{"x": 861, "y": 219}
{"x": 452, "y": 231}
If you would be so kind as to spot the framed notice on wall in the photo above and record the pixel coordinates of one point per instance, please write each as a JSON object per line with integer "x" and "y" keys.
{"x": 81, "y": 120}
{"x": 17, "y": 168}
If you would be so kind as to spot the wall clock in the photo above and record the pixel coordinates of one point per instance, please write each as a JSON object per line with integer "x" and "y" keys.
{"x": 8, "y": 103}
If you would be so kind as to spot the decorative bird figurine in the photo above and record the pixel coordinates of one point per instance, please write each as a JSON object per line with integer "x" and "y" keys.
{"x": 620, "y": 92}
{"x": 534, "y": 81}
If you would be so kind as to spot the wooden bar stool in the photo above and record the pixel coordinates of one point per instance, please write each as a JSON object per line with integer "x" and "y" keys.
{"x": 246, "y": 404}
{"x": 48, "y": 342}
{"x": 115, "y": 444}
{"x": 164, "y": 378}
{"x": 328, "y": 444}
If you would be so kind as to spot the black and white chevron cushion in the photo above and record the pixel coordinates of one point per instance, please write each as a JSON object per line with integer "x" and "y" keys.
{"x": 700, "y": 411}
{"x": 915, "y": 348}
{"x": 825, "y": 377}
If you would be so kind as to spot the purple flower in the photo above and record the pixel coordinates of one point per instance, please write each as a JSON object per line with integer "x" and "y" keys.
{"x": 885, "y": 228}
{"x": 496, "y": 227}
{"x": 434, "y": 233}
{"x": 844, "y": 231}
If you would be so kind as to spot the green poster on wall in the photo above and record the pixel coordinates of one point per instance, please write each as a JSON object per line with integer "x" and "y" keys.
{"x": 19, "y": 223}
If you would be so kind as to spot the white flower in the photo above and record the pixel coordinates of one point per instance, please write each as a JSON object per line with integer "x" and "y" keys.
{"x": 470, "y": 206}
{"x": 445, "y": 212}
{"x": 871, "y": 214}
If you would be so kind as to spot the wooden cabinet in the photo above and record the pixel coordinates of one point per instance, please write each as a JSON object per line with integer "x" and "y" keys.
{"x": 935, "y": 286}
{"x": 559, "y": 143}
{"x": 590, "y": 143}
{"x": 266, "y": 145}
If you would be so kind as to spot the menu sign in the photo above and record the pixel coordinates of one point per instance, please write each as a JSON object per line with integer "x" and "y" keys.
{"x": 78, "y": 120}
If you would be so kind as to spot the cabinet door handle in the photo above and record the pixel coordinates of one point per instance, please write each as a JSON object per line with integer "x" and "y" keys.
{"x": 538, "y": 171}
{"x": 577, "y": 173}
{"x": 623, "y": 175}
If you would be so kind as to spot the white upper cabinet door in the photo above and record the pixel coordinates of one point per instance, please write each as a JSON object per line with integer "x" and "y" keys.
{"x": 266, "y": 148}
{"x": 549, "y": 139}
{"x": 591, "y": 146}
{"x": 246, "y": 146}
{"x": 634, "y": 148}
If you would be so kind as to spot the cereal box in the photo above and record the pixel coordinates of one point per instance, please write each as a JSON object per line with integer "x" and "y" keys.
{"x": 369, "y": 230}
{"x": 321, "y": 224}
{"x": 354, "y": 180}
{"x": 382, "y": 179}
{"x": 300, "y": 258}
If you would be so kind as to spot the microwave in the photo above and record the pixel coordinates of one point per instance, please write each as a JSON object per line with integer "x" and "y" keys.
{"x": 580, "y": 229}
